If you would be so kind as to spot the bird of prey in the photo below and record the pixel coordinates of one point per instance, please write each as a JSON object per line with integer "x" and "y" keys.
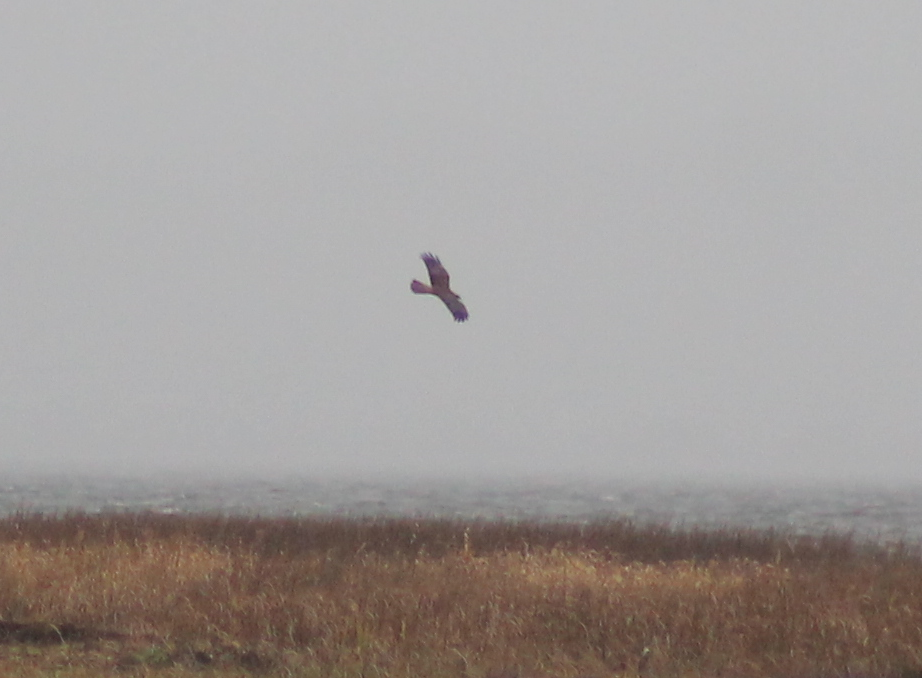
{"x": 438, "y": 279}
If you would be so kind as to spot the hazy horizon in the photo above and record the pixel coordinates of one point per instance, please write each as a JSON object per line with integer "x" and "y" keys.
{"x": 689, "y": 238}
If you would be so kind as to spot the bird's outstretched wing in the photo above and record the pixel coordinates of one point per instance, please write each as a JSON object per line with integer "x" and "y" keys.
{"x": 438, "y": 276}
{"x": 453, "y": 302}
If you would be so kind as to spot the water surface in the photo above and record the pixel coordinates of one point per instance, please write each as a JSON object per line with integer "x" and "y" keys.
{"x": 881, "y": 514}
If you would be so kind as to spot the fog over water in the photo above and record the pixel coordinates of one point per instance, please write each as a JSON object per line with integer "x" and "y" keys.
{"x": 879, "y": 514}
{"x": 688, "y": 236}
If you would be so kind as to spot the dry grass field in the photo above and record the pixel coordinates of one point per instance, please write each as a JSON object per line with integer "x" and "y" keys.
{"x": 175, "y": 596}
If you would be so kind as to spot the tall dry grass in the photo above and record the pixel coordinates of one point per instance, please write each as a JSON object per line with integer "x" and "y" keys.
{"x": 470, "y": 599}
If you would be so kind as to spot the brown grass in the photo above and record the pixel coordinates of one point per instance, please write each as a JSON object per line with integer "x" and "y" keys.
{"x": 166, "y": 596}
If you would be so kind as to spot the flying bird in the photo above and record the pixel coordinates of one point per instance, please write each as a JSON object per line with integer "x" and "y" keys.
{"x": 438, "y": 279}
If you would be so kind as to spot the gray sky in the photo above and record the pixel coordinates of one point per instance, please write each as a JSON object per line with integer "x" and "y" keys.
{"x": 689, "y": 236}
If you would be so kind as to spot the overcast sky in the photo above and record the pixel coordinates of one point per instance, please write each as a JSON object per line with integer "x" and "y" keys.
{"x": 689, "y": 236}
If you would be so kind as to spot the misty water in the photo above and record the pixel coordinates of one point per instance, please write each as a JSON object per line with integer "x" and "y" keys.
{"x": 867, "y": 512}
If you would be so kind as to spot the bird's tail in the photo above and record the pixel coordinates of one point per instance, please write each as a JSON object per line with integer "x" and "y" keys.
{"x": 420, "y": 288}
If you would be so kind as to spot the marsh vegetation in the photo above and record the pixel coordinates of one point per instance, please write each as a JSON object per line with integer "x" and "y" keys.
{"x": 159, "y": 595}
